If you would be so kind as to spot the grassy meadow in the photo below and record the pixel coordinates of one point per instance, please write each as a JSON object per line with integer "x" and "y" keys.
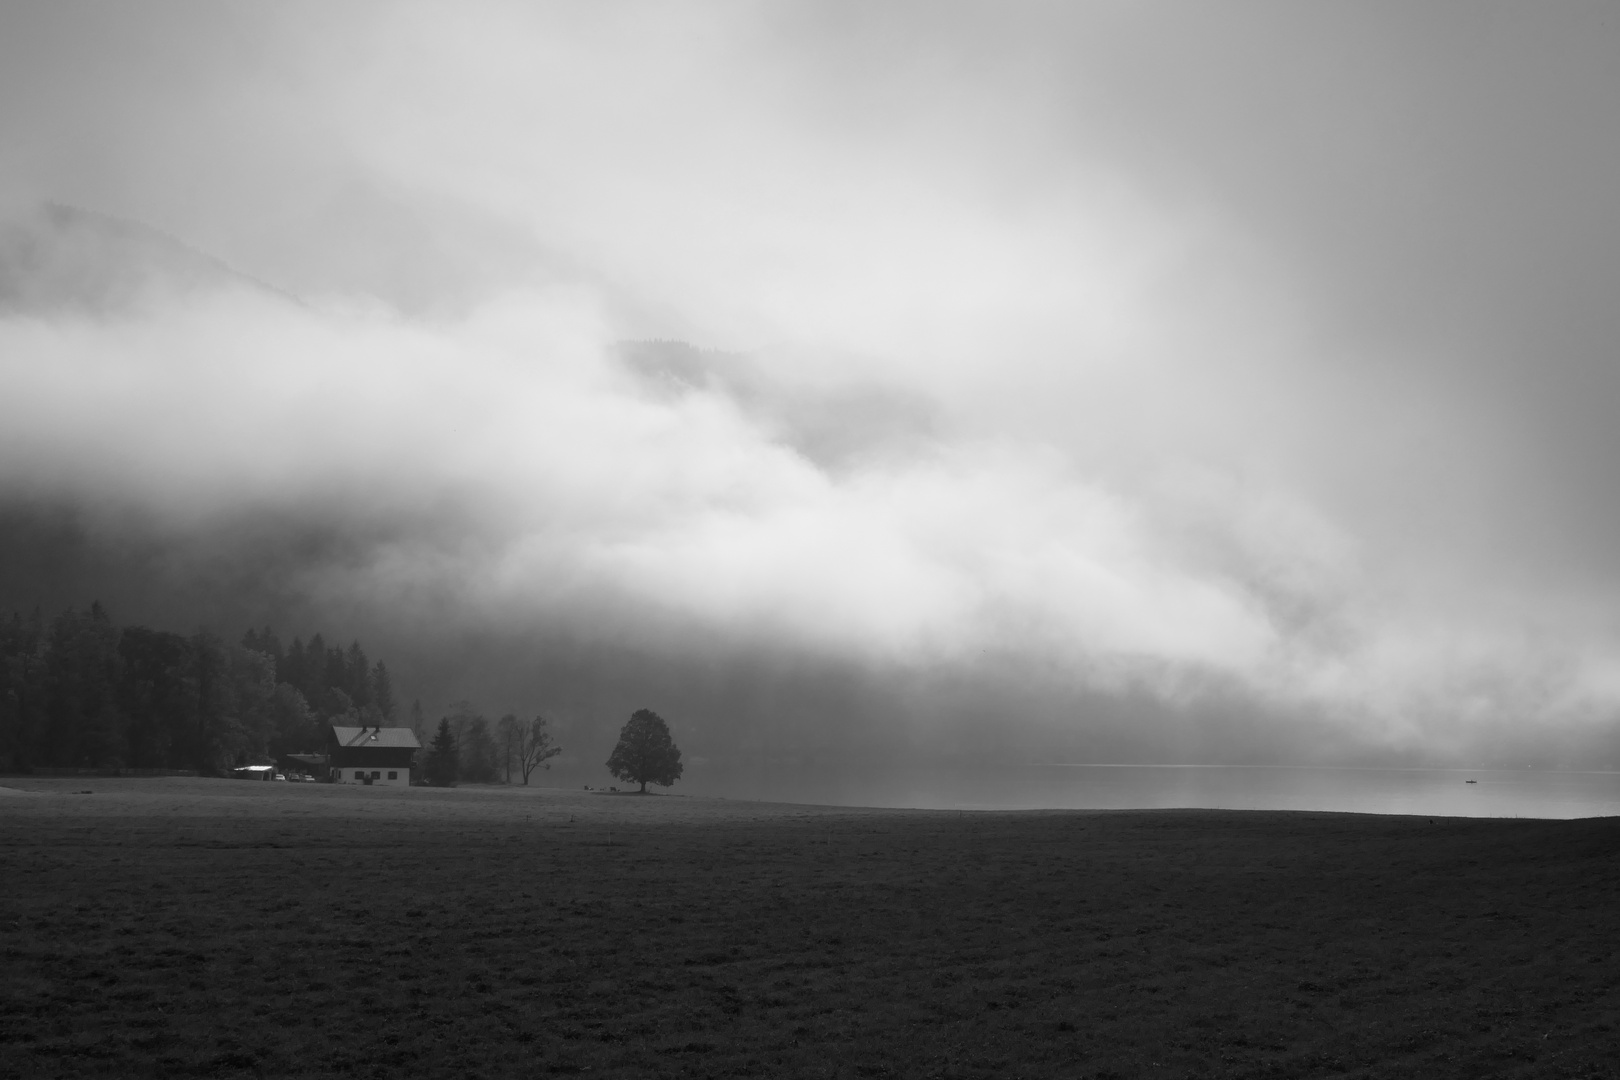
{"x": 191, "y": 927}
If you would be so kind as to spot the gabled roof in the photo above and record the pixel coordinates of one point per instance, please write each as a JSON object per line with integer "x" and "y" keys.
{"x": 402, "y": 737}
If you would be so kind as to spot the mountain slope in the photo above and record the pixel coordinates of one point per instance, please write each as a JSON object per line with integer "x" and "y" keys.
{"x": 61, "y": 258}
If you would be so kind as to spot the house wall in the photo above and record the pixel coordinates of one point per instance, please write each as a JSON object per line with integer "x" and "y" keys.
{"x": 350, "y": 775}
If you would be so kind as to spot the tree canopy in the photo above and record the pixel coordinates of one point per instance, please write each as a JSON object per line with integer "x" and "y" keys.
{"x": 646, "y": 754}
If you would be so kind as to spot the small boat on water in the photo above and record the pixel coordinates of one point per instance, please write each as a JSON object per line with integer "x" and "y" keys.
{"x": 1470, "y": 781}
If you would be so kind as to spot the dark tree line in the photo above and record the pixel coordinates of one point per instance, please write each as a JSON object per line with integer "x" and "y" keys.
{"x": 466, "y": 747}
{"x": 78, "y": 691}
{"x": 338, "y": 684}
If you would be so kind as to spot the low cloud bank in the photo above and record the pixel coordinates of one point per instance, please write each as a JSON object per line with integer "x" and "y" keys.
{"x": 1101, "y": 385}
{"x": 517, "y": 470}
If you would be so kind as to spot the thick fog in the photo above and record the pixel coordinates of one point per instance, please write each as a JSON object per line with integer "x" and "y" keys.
{"x": 945, "y": 382}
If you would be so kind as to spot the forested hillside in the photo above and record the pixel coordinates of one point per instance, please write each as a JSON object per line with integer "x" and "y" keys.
{"x": 78, "y": 691}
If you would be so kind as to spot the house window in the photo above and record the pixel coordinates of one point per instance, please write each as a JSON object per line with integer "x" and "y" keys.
{"x": 376, "y": 774}
{"x": 393, "y": 776}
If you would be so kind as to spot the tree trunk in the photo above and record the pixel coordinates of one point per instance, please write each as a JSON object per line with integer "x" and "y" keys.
{"x": 644, "y": 787}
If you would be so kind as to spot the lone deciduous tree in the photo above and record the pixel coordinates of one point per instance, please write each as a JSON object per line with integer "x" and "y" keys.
{"x": 529, "y": 744}
{"x": 646, "y": 754}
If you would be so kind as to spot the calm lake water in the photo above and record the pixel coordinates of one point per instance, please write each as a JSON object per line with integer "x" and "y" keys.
{"x": 1540, "y": 793}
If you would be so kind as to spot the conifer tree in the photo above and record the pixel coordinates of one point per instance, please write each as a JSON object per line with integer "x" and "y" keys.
{"x": 293, "y": 669}
{"x": 314, "y": 684}
{"x": 382, "y": 691}
{"x": 443, "y": 759}
{"x": 357, "y": 675}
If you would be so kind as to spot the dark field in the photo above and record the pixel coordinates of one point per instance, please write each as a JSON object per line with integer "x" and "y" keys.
{"x": 176, "y": 927}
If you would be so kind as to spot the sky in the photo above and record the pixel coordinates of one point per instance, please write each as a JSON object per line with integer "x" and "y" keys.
{"x": 954, "y": 382}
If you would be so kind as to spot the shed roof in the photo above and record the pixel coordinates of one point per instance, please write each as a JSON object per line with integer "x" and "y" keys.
{"x": 402, "y": 737}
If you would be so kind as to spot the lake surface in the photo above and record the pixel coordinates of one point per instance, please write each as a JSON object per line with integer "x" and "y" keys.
{"x": 1540, "y": 793}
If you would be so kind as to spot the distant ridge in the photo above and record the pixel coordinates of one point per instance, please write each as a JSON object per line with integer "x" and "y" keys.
{"x": 58, "y": 257}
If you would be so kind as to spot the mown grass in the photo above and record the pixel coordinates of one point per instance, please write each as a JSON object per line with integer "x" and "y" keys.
{"x": 218, "y": 928}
